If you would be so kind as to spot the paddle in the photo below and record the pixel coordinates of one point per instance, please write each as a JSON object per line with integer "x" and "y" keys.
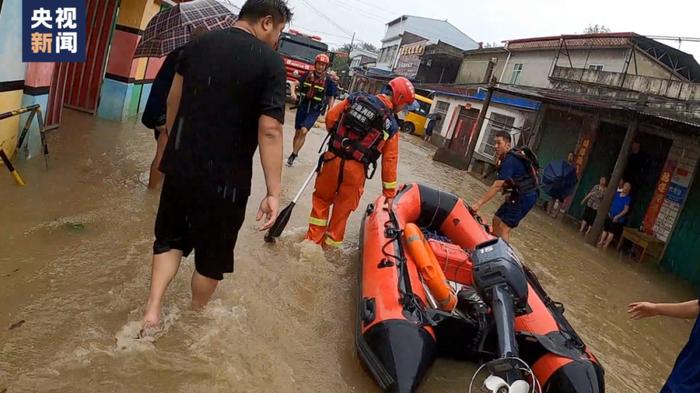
{"x": 283, "y": 218}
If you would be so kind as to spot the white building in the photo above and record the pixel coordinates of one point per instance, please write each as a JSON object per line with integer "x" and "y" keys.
{"x": 433, "y": 30}
{"x": 459, "y": 109}
{"x": 362, "y": 58}
{"x": 536, "y": 61}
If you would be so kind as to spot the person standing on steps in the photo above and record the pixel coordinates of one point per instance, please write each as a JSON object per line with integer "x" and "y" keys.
{"x": 517, "y": 177}
{"x": 220, "y": 109}
{"x": 317, "y": 91}
{"x": 592, "y": 201}
{"x": 615, "y": 221}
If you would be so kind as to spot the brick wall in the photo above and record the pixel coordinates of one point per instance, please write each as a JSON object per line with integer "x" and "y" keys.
{"x": 685, "y": 151}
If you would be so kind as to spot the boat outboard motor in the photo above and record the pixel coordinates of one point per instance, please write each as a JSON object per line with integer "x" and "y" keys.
{"x": 501, "y": 282}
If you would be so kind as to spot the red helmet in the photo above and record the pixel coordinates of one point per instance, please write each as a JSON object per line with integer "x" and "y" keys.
{"x": 323, "y": 59}
{"x": 402, "y": 92}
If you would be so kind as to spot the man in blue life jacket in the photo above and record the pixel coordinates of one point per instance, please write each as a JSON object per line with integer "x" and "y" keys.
{"x": 517, "y": 177}
{"x": 317, "y": 91}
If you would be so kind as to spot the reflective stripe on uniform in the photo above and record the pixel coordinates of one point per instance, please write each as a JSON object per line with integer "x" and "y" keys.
{"x": 390, "y": 185}
{"x": 332, "y": 242}
{"x": 318, "y": 221}
{"x": 386, "y": 135}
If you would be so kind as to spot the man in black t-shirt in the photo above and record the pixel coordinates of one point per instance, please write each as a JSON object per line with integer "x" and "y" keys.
{"x": 227, "y": 98}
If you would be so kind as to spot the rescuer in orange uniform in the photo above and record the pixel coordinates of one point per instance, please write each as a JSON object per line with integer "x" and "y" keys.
{"x": 362, "y": 128}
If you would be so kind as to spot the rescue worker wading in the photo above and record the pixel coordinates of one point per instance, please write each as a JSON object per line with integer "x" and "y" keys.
{"x": 316, "y": 90}
{"x": 362, "y": 129}
{"x": 517, "y": 177}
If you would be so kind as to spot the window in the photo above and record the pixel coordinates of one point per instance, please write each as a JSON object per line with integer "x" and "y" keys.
{"x": 382, "y": 55}
{"x": 423, "y": 108}
{"x": 441, "y": 108}
{"x": 300, "y": 50}
{"x": 517, "y": 70}
{"x": 596, "y": 67}
{"x": 496, "y": 123}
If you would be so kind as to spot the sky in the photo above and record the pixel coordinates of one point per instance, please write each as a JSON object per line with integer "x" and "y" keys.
{"x": 499, "y": 20}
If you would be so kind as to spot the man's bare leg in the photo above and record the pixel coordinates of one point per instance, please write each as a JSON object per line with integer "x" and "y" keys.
{"x": 608, "y": 240}
{"x": 156, "y": 177}
{"x": 299, "y": 139}
{"x": 601, "y": 240}
{"x": 505, "y": 232}
{"x": 583, "y": 226}
{"x": 163, "y": 270}
{"x": 202, "y": 289}
{"x": 555, "y": 209}
{"x": 495, "y": 225}
{"x": 297, "y": 144}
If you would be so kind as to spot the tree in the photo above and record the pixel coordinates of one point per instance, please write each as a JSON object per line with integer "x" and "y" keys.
{"x": 368, "y": 46}
{"x": 340, "y": 63}
{"x": 491, "y": 45}
{"x": 596, "y": 29}
{"x": 347, "y": 48}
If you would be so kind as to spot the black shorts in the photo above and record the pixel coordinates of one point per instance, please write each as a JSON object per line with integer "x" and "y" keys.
{"x": 201, "y": 216}
{"x": 589, "y": 215}
{"x": 613, "y": 227}
{"x": 154, "y": 122}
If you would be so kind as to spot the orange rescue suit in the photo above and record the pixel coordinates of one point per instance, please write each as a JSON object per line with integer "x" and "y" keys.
{"x": 341, "y": 183}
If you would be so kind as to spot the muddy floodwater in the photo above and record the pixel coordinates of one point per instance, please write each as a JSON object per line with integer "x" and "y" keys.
{"x": 75, "y": 254}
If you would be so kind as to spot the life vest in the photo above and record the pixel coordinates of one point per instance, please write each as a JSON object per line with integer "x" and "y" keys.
{"x": 527, "y": 183}
{"x": 363, "y": 129}
{"x": 313, "y": 89}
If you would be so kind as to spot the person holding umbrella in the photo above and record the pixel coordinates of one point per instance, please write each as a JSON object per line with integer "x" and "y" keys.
{"x": 517, "y": 177}
{"x": 165, "y": 35}
{"x": 154, "y": 115}
{"x": 558, "y": 181}
{"x": 220, "y": 109}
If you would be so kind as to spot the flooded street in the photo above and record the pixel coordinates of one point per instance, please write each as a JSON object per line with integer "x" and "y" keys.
{"x": 75, "y": 266}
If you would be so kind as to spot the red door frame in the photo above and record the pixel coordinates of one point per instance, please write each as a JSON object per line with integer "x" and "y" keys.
{"x": 77, "y": 85}
{"x": 463, "y": 129}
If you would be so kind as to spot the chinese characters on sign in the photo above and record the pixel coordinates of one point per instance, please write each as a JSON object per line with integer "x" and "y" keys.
{"x": 53, "y": 31}
{"x": 676, "y": 193}
{"x": 582, "y": 153}
{"x": 662, "y": 187}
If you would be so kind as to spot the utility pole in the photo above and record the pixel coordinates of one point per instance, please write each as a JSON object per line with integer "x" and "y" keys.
{"x": 352, "y": 42}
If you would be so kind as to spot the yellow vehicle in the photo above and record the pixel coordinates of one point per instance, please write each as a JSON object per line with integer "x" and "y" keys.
{"x": 416, "y": 120}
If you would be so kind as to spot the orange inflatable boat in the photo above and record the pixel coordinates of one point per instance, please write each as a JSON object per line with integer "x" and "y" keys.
{"x": 433, "y": 282}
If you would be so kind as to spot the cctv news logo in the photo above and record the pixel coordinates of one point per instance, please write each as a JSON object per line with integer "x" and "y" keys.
{"x": 53, "y": 31}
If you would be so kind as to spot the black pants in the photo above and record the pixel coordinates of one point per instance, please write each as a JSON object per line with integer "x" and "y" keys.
{"x": 206, "y": 217}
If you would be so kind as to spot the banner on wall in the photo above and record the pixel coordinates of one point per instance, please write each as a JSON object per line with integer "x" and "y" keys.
{"x": 660, "y": 193}
{"x": 53, "y": 31}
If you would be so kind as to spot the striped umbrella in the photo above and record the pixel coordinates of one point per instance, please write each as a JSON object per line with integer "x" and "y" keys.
{"x": 172, "y": 28}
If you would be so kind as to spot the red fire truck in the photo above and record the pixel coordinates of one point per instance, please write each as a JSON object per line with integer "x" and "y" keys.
{"x": 299, "y": 51}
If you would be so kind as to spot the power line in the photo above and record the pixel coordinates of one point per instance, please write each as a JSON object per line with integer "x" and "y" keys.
{"x": 389, "y": 12}
{"x": 318, "y": 31}
{"x": 365, "y": 13}
{"x": 331, "y": 21}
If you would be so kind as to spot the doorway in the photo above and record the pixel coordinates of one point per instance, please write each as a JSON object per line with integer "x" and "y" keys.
{"x": 77, "y": 85}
